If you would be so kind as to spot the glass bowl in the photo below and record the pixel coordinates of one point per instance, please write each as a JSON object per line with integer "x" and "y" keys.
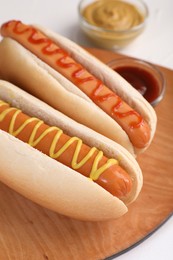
{"x": 143, "y": 76}
{"x": 99, "y": 24}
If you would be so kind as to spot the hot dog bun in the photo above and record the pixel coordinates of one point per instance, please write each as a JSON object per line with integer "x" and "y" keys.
{"x": 98, "y": 69}
{"x": 51, "y": 184}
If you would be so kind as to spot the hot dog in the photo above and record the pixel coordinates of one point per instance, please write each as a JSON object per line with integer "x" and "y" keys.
{"x": 123, "y": 109}
{"x": 111, "y": 175}
{"x": 68, "y": 150}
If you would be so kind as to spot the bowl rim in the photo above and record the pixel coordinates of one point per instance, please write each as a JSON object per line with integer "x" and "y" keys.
{"x": 101, "y": 29}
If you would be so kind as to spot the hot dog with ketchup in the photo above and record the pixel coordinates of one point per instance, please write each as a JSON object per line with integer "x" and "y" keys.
{"x": 121, "y": 110}
{"x": 72, "y": 155}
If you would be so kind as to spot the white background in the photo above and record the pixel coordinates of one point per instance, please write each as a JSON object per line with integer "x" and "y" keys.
{"x": 154, "y": 45}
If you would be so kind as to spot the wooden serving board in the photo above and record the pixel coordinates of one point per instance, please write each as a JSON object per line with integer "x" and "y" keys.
{"x": 30, "y": 232}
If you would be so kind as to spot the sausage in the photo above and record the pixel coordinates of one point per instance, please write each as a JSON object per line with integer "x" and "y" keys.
{"x": 131, "y": 121}
{"x": 68, "y": 150}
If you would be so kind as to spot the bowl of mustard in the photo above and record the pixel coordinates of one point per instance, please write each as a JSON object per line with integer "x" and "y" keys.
{"x": 112, "y": 24}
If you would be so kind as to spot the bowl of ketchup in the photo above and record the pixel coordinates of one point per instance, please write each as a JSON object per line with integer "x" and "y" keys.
{"x": 143, "y": 76}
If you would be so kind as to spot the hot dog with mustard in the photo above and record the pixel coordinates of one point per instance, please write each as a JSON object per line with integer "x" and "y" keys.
{"x": 69, "y": 148}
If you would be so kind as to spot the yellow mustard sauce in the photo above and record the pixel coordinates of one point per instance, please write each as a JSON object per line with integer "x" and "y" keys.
{"x": 95, "y": 171}
{"x": 113, "y": 14}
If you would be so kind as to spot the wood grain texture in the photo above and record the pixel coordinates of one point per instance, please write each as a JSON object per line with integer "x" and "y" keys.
{"x": 30, "y": 232}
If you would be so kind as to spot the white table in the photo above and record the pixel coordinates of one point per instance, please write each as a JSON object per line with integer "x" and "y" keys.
{"x": 154, "y": 45}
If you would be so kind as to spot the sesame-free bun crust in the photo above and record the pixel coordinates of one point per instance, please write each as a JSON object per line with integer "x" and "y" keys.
{"x": 50, "y": 183}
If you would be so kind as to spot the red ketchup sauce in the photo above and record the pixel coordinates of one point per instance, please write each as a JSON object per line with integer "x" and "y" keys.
{"x": 142, "y": 80}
